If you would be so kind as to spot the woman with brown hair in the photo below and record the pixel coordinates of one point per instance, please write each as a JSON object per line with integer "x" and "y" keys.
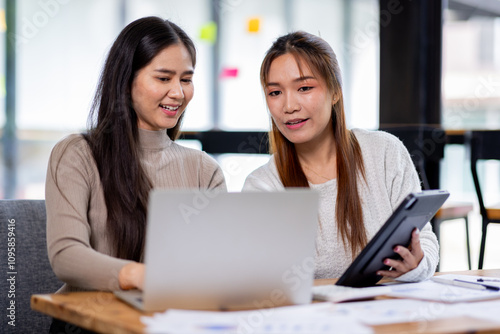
{"x": 361, "y": 175}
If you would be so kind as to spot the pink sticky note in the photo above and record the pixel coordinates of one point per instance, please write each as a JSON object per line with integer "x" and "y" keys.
{"x": 229, "y": 72}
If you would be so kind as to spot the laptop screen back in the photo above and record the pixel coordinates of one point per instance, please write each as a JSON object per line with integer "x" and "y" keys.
{"x": 229, "y": 250}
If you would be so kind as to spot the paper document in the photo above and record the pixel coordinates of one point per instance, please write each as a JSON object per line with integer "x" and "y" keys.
{"x": 446, "y": 293}
{"x": 338, "y": 293}
{"x": 352, "y": 317}
{"x": 488, "y": 310}
{"x": 307, "y": 319}
{"x": 466, "y": 284}
{"x": 390, "y": 311}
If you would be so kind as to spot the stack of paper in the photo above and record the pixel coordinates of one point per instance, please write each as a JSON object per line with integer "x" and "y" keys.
{"x": 445, "y": 293}
{"x": 437, "y": 301}
{"x": 337, "y": 293}
{"x": 307, "y": 319}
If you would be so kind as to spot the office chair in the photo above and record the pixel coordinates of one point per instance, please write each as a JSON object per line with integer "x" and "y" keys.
{"x": 484, "y": 145}
{"x": 25, "y": 265}
{"x": 426, "y": 146}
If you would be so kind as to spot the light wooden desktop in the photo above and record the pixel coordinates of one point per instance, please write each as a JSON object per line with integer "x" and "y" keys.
{"x": 103, "y": 312}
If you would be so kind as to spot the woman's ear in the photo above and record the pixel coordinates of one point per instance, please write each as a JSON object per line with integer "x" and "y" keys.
{"x": 335, "y": 99}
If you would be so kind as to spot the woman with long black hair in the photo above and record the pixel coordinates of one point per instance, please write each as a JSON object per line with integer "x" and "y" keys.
{"x": 98, "y": 182}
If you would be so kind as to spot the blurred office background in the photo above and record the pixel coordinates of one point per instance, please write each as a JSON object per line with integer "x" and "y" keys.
{"x": 57, "y": 48}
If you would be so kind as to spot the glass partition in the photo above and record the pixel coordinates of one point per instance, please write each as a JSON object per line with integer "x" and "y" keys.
{"x": 61, "y": 47}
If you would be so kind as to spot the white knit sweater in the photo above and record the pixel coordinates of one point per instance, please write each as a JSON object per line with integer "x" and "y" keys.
{"x": 390, "y": 176}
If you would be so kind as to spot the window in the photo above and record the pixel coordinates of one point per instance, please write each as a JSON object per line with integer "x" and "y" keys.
{"x": 61, "y": 50}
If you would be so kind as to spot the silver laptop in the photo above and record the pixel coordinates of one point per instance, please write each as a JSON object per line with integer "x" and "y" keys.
{"x": 217, "y": 251}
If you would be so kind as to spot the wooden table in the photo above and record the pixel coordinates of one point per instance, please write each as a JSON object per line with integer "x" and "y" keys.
{"x": 103, "y": 312}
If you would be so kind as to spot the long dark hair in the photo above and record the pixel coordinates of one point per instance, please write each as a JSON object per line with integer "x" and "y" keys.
{"x": 318, "y": 54}
{"x": 113, "y": 131}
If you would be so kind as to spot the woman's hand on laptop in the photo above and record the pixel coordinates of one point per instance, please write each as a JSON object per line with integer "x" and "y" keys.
{"x": 131, "y": 276}
{"x": 410, "y": 258}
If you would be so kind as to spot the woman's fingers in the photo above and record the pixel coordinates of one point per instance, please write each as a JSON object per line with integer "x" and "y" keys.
{"x": 410, "y": 258}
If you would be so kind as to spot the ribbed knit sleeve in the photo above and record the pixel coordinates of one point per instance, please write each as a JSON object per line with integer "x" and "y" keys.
{"x": 74, "y": 217}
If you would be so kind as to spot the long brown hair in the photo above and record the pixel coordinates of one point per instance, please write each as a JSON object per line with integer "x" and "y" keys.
{"x": 113, "y": 136}
{"x": 315, "y": 52}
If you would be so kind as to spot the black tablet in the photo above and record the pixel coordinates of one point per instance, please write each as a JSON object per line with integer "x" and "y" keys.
{"x": 414, "y": 212}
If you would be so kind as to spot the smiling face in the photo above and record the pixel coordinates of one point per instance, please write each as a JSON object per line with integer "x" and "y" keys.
{"x": 299, "y": 101}
{"x": 162, "y": 89}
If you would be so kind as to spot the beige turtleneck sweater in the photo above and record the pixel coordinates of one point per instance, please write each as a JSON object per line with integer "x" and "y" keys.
{"x": 77, "y": 241}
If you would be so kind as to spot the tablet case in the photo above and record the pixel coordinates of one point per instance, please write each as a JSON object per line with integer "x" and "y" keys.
{"x": 414, "y": 212}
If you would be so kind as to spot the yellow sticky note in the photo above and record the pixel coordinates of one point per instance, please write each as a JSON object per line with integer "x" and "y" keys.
{"x": 254, "y": 25}
{"x": 208, "y": 32}
{"x": 3, "y": 24}
{"x": 3, "y": 90}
